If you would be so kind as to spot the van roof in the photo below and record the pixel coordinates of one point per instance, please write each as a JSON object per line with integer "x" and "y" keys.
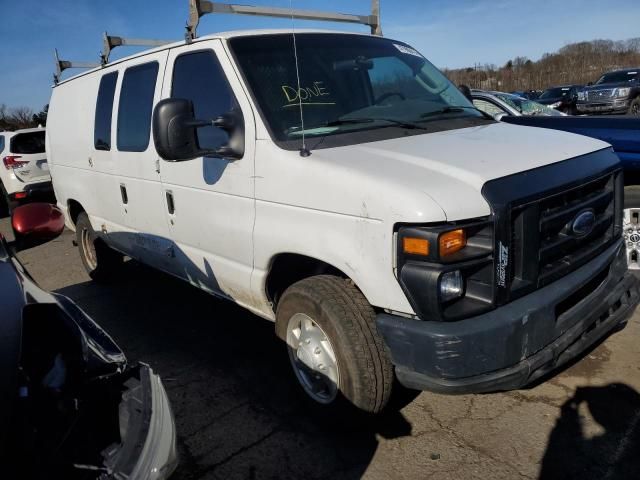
{"x": 214, "y": 36}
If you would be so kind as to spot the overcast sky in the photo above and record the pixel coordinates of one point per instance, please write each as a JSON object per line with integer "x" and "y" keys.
{"x": 450, "y": 33}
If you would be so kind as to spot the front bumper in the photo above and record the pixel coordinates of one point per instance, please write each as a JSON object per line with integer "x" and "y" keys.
{"x": 516, "y": 344}
{"x": 615, "y": 106}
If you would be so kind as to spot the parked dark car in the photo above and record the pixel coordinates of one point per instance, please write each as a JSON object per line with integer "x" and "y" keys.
{"x": 614, "y": 92}
{"x": 71, "y": 406}
{"x": 528, "y": 94}
{"x": 562, "y": 98}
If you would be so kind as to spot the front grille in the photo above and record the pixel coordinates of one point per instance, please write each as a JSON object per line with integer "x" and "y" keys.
{"x": 545, "y": 245}
{"x": 595, "y": 95}
{"x": 561, "y": 250}
{"x": 534, "y": 210}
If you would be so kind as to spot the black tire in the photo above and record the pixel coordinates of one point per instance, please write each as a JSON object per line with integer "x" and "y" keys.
{"x": 102, "y": 263}
{"x": 634, "y": 108}
{"x": 349, "y": 322}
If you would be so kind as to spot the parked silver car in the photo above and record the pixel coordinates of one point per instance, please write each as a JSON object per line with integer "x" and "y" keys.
{"x": 499, "y": 104}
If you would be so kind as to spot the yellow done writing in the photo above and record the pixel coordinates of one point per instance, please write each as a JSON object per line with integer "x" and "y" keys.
{"x": 306, "y": 95}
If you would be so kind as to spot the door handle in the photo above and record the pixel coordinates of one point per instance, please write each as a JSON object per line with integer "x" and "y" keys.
{"x": 171, "y": 207}
{"x": 123, "y": 193}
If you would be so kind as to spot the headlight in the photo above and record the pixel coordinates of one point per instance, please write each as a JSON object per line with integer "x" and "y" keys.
{"x": 555, "y": 105}
{"x": 623, "y": 92}
{"x": 446, "y": 270}
{"x": 582, "y": 96}
{"x": 451, "y": 286}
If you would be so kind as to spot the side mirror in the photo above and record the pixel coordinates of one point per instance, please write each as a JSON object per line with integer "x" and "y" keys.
{"x": 175, "y": 132}
{"x": 36, "y": 223}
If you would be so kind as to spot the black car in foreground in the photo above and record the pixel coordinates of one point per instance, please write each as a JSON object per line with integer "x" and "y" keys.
{"x": 562, "y": 98}
{"x": 71, "y": 407}
{"x": 614, "y": 92}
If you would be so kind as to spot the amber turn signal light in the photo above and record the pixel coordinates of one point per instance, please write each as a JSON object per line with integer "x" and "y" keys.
{"x": 452, "y": 242}
{"x": 415, "y": 246}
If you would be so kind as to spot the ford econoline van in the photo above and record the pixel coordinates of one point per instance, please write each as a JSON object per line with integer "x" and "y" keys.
{"x": 340, "y": 186}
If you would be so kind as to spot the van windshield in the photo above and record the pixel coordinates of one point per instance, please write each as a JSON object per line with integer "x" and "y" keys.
{"x": 348, "y": 83}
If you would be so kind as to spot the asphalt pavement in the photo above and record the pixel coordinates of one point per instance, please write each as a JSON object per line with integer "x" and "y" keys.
{"x": 240, "y": 416}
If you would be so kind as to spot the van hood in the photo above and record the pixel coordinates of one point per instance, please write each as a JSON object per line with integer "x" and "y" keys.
{"x": 449, "y": 167}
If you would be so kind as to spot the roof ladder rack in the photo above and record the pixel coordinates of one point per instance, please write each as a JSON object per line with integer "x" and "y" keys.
{"x": 199, "y": 8}
{"x": 109, "y": 42}
{"x": 62, "y": 65}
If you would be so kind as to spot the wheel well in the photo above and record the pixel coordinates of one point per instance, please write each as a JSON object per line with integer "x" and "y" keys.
{"x": 75, "y": 209}
{"x": 289, "y": 268}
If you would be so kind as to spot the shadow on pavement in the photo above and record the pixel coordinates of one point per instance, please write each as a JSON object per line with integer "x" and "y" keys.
{"x": 238, "y": 410}
{"x": 609, "y": 451}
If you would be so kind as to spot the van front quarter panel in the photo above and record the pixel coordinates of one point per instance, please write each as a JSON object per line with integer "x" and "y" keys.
{"x": 336, "y": 212}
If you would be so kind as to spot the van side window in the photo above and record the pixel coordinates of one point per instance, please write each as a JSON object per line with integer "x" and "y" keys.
{"x": 104, "y": 110}
{"x": 199, "y": 77}
{"x": 134, "y": 110}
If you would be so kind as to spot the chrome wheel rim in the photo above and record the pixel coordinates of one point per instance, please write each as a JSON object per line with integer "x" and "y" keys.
{"x": 313, "y": 358}
{"x": 89, "y": 249}
{"x": 631, "y": 232}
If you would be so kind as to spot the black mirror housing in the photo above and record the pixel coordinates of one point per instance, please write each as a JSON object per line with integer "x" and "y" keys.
{"x": 175, "y": 132}
{"x": 174, "y": 139}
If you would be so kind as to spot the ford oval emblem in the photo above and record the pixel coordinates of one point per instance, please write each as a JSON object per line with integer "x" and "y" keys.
{"x": 583, "y": 223}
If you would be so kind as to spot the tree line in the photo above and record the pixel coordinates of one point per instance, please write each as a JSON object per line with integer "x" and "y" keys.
{"x": 575, "y": 63}
{"x": 21, "y": 117}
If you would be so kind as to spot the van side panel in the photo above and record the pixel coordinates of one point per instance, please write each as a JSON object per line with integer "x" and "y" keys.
{"x": 80, "y": 172}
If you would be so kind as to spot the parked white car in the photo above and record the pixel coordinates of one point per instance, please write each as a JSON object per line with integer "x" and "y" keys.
{"x": 381, "y": 221}
{"x": 24, "y": 171}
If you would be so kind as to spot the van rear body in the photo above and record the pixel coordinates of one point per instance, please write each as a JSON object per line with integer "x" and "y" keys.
{"x": 361, "y": 203}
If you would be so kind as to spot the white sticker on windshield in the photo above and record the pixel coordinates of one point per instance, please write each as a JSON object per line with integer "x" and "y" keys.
{"x": 408, "y": 50}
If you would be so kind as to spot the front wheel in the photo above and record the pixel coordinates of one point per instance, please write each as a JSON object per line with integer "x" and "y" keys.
{"x": 337, "y": 355}
{"x": 634, "y": 108}
{"x": 100, "y": 261}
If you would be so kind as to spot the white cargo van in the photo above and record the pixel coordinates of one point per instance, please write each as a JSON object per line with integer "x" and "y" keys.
{"x": 359, "y": 201}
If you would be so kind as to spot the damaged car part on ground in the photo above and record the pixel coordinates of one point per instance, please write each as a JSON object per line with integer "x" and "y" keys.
{"x": 72, "y": 407}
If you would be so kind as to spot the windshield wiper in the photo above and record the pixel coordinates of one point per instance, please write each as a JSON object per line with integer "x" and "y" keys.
{"x": 455, "y": 109}
{"x": 393, "y": 121}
